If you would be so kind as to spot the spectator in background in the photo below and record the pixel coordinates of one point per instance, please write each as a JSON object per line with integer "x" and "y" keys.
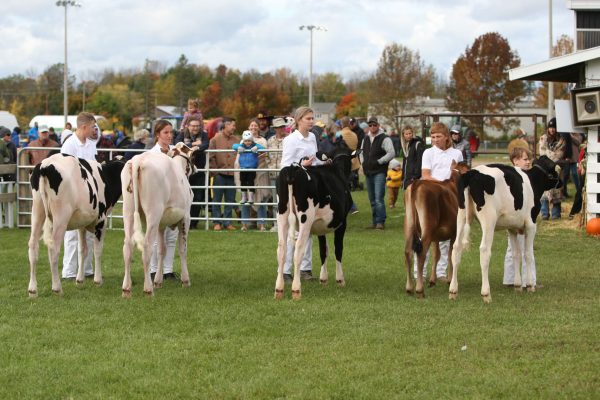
{"x": 105, "y": 142}
{"x": 581, "y": 165}
{"x": 518, "y": 141}
{"x": 15, "y": 136}
{"x": 140, "y": 138}
{"x": 69, "y": 126}
{"x": 36, "y": 156}
{"x": 261, "y": 179}
{"x": 552, "y": 145}
{"x": 569, "y": 163}
{"x": 263, "y": 125}
{"x": 358, "y": 130}
{"x": 473, "y": 139}
{"x": 351, "y": 141}
{"x": 33, "y": 133}
{"x": 396, "y": 142}
{"x": 276, "y": 143}
{"x": 328, "y": 137}
{"x": 193, "y": 110}
{"x": 52, "y": 135}
{"x": 394, "y": 181}
{"x": 5, "y": 153}
{"x": 223, "y": 140}
{"x": 412, "y": 152}
{"x": 377, "y": 152}
{"x": 461, "y": 144}
{"x": 196, "y": 136}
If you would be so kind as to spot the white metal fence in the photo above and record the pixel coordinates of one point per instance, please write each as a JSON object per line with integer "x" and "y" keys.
{"x": 24, "y": 198}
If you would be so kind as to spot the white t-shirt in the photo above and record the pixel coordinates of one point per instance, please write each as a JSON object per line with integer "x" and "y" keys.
{"x": 74, "y": 147}
{"x": 157, "y": 149}
{"x": 296, "y": 146}
{"x": 439, "y": 161}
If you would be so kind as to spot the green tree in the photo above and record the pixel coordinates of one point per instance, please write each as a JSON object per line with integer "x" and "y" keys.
{"x": 401, "y": 77}
{"x": 564, "y": 45}
{"x": 479, "y": 82}
{"x": 329, "y": 87}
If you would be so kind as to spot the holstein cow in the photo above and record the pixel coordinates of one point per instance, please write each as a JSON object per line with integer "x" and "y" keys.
{"x": 156, "y": 191}
{"x": 502, "y": 197}
{"x": 317, "y": 200}
{"x": 70, "y": 193}
{"x": 431, "y": 208}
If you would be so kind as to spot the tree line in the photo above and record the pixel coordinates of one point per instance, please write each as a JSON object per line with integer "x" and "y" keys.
{"x": 478, "y": 83}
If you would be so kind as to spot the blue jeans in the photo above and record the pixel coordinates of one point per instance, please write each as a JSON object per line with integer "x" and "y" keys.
{"x": 261, "y": 212}
{"x": 219, "y": 194}
{"x": 376, "y": 189}
{"x": 555, "y": 209}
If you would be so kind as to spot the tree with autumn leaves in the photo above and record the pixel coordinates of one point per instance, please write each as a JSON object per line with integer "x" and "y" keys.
{"x": 479, "y": 82}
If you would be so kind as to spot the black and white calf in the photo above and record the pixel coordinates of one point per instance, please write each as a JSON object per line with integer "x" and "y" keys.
{"x": 502, "y": 197}
{"x": 317, "y": 200}
{"x": 70, "y": 193}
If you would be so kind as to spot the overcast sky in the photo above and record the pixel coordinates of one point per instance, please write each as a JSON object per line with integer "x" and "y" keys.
{"x": 264, "y": 34}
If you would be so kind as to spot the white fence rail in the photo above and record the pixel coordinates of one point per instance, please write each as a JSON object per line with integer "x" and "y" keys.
{"x": 24, "y": 198}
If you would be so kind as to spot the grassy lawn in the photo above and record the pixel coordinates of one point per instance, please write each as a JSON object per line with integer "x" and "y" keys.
{"x": 225, "y": 336}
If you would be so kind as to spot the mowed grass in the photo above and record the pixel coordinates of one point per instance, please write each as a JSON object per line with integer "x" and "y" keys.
{"x": 226, "y": 337}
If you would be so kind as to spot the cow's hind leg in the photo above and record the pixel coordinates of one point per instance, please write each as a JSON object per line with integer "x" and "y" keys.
{"x": 58, "y": 235}
{"x": 82, "y": 250}
{"x": 282, "y": 237}
{"x": 485, "y": 252}
{"x": 323, "y": 252}
{"x": 37, "y": 222}
{"x": 421, "y": 257}
{"x": 338, "y": 237}
{"x": 98, "y": 248}
{"x": 183, "y": 234}
{"x": 436, "y": 260}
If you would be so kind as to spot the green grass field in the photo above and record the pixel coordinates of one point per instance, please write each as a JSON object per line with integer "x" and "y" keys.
{"x": 226, "y": 337}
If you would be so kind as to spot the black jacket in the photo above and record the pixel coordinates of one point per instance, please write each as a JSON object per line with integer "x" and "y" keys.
{"x": 411, "y": 164}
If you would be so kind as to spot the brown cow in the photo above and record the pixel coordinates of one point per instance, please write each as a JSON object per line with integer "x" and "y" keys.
{"x": 431, "y": 207}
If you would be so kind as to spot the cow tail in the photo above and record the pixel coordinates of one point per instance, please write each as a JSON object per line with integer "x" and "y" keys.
{"x": 417, "y": 243}
{"x": 463, "y": 219}
{"x": 44, "y": 195}
{"x": 291, "y": 216}
{"x": 138, "y": 232}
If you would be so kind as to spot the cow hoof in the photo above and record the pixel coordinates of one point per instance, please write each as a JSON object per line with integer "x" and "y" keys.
{"x": 420, "y": 295}
{"x": 487, "y": 299}
{"x": 410, "y": 292}
{"x": 323, "y": 281}
{"x": 98, "y": 283}
{"x": 296, "y": 295}
{"x": 452, "y": 296}
{"x": 32, "y": 293}
{"x": 431, "y": 283}
{"x": 157, "y": 285}
{"x": 341, "y": 283}
{"x": 185, "y": 284}
{"x": 79, "y": 283}
{"x": 531, "y": 289}
{"x": 58, "y": 292}
{"x": 278, "y": 294}
{"x": 126, "y": 294}
{"x": 518, "y": 289}
{"x": 149, "y": 293}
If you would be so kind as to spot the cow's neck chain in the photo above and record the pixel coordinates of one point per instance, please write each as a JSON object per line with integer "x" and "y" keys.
{"x": 188, "y": 166}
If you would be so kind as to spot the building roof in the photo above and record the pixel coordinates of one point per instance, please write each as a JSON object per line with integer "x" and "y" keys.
{"x": 568, "y": 68}
{"x": 324, "y": 108}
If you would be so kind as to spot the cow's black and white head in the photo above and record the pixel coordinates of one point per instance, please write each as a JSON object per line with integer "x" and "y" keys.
{"x": 341, "y": 157}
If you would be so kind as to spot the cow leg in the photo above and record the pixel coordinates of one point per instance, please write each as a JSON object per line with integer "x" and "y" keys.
{"x": 485, "y": 252}
{"x": 184, "y": 227}
{"x": 419, "y": 290}
{"x": 282, "y": 236}
{"x": 300, "y": 248}
{"x": 127, "y": 252}
{"x": 459, "y": 245}
{"x": 161, "y": 251}
{"x": 436, "y": 260}
{"x": 82, "y": 250}
{"x": 98, "y": 248}
{"x": 516, "y": 260}
{"x": 529, "y": 257}
{"x": 338, "y": 237}
{"x": 149, "y": 240}
{"x": 323, "y": 252}
{"x": 58, "y": 234}
{"x": 37, "y": 221}
{"x": 408, "y": 260}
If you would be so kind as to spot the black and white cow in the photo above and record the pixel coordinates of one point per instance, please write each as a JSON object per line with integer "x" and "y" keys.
{"x": 70, "y": 193}
{"x": 317, "y": 200}
{"x": 502, "y": 197}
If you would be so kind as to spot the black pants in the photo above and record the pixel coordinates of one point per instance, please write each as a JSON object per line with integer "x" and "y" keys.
{"x": 247, "y": 179}
{"x": 197, "y": 179}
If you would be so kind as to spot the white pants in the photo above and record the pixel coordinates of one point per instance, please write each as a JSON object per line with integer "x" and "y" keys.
{"x": 442, "y": 265}
{"x": 306, "y": 264}
{"x": 509, "y": 267}
{"x": 71, "y": 254}
{"x": 171, "y": 241}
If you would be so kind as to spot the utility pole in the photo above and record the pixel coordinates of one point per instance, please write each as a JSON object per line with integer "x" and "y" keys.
{"x": 65, "y": 4}
{"x": 311, "y": 28}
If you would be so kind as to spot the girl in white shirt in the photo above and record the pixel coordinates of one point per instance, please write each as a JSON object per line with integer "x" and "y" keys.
{"x": 436, "y": 165}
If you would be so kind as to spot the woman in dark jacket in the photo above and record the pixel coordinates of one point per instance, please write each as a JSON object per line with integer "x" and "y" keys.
{"x": 140, "y": 139}
{"x": 412, "y": 151}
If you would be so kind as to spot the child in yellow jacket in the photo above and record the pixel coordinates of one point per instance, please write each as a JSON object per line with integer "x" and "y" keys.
{"x": 394, "y": 181}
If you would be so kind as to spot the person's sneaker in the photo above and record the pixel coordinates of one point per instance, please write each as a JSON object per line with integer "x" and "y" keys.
{"x": 217, "y": 227}
{"x": 555, "y": 218}
{"x": 372, "y": 226}
{"x": 306, "y": 275}
{"x": 355, "y": 211}
{"x": 273, "y": 228}
{"x": 288, "y": 278}
{"x": 231, "y": 228}
{"x": 244, "y": 228}
{"x": 171, "y": 275}
{"x": 545, "y": 217}
{"x": 380, "y": 227}
{"x": 442, "y": 279}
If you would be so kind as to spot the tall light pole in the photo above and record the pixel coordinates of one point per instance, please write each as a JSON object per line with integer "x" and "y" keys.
{"x": 550, "y": 84}
{"x": 311, "y": 28}
{"x": 65, "y": 4}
